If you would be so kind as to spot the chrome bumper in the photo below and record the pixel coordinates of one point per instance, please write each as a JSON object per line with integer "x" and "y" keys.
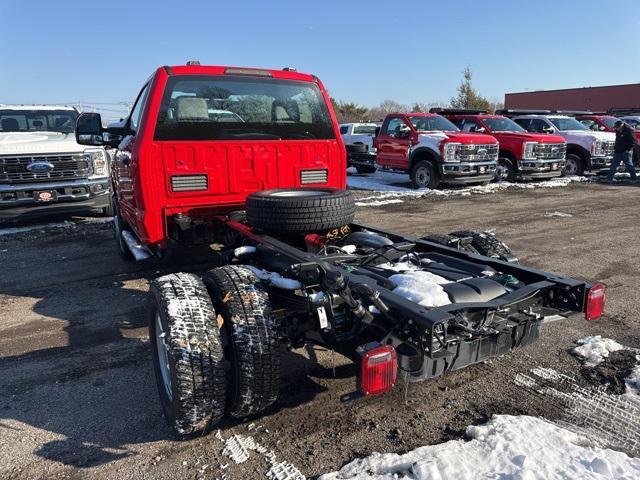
{"x": 541, "y": 168}
{"x": 601, "y": 162}
{"x": 468, "y": 172}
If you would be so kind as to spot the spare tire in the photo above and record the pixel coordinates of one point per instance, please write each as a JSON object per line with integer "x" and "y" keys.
{"x": 300, "y": 210}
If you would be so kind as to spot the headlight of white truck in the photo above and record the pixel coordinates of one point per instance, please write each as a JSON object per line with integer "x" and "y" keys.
{"x": 98, "y": 160}
{"x": 528, "y": 150}
{"x": 450, "y": 152}
{"x": 597, "y": 148}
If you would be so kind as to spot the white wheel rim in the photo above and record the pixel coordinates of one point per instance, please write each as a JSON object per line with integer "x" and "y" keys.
{"x": 423, "y": 176}
{"x": 163, "y": 355}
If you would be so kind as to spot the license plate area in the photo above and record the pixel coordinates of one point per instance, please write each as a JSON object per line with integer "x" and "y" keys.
{"x": 45, "y": 196}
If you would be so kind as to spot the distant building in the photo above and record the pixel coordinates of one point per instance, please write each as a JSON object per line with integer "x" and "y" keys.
{"x": 595, "y": 99}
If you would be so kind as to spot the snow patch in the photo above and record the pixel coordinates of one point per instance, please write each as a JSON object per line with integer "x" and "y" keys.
{"x": 507, "y": 447}
{"x": 377, "y": 203}
{"x": 245, "y": 250}
{"x": 632, "y": 382}
{"x": 557, "y": 214}
{"x": 392, "y": 187}
{"x": 593, "y": 350}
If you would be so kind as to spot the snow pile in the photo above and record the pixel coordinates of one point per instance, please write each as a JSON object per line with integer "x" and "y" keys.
{"x": 593, "y": 350}
{"x": 507, "y": 447}
{"x": 392, "y": 187}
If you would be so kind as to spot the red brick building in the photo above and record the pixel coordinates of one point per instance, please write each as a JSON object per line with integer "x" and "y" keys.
{"x": 596, "y": 99}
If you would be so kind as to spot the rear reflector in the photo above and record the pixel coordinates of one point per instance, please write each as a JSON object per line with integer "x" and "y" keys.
{"x": 313, "y": 176}
{"x": 189, "y": 183}
{"x": 378, "y": 369}
{"x": 596, "y": 297}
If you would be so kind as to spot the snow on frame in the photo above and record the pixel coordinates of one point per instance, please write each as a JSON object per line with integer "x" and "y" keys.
{"x": 508, "y": 448}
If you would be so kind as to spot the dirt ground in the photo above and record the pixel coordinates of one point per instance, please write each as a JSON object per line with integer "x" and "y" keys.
{"x": 78, "y": 398}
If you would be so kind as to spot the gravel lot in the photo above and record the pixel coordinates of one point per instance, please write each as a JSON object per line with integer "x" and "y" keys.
{"x": 77, "y": 393}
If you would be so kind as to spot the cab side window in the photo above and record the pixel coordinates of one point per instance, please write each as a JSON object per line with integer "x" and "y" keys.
{"x": 469, "y": 125}
{"x": 344, "y": 129}
{"x": 538, "y": 125}
{"x": 136, "y": 113}
{"x": 590, "y": 124}
{"x": 393, "y": 127}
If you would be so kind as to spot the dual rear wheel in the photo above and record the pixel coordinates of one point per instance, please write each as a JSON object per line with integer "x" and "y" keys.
{"x": 215, "y": 347}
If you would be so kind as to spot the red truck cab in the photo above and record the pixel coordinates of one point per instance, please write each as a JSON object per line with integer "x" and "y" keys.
{"x": 433, "y": 150}
{"x": 523, "y": 155}
{"x": 605, "y": 123}
{"x": 199, "y": 139}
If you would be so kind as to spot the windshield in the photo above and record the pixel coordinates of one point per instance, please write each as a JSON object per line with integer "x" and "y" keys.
{"x": 364, "y": 130}
{"x": 63, "y": 121}
{"x": 609, "y": 121}
{"x": 566, "y": 123}
{"x": 433, "y": 124}
{"x": 229, "y": 107}
{"x": 502, "y": 125}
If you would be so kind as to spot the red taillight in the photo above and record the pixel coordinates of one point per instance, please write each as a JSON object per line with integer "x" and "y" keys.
{"x": 378, "y": 370}
{"x": 595, "y": 302}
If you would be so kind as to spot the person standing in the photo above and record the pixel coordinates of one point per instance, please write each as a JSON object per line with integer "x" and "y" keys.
{"x": 623, "y": 150}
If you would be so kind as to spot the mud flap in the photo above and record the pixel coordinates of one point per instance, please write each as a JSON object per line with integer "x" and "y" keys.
{"x": 477, "y": 350}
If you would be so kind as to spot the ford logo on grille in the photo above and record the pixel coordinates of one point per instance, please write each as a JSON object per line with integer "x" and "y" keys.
{"x": 40, "y": 167}
{"x": 555, "y": 150}
{"x": 482, "y": 151}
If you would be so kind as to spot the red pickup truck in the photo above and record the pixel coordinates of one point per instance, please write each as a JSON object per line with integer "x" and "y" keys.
{"x": 605, "y": 123}
{"x": 250, "y": 162}
{"x": 433, "y": 150}
{"x": 523, "y": 155}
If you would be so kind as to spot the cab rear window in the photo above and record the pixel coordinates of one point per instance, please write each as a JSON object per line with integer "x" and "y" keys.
{"x": 234, "y": 107}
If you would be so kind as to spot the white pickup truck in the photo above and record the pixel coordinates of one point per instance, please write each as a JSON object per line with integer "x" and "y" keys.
{"x": 587, "y": 150}
{"x": 43, "y": 170}
{"x": 358, "y": 140}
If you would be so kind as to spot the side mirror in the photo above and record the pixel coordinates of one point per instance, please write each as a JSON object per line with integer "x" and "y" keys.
{"x": 377, "y": 132}
{"x": 89, "y": 129}
{"x": 602, "y": 128}
{"x": 480, "y": 130}
{"x": 403, "y": 131}
{"x": 547, "y": 130}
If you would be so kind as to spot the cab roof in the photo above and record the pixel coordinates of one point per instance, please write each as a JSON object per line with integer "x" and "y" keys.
{"x": 286, "y": 74}
{"x": 35, "y": 107}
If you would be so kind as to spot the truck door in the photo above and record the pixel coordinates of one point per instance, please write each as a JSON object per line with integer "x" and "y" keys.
{"x": 125, "y": 162}
{"x": 392, "y": 146}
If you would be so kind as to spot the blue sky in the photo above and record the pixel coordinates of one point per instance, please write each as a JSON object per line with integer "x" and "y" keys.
{"x": 64, "y": 51}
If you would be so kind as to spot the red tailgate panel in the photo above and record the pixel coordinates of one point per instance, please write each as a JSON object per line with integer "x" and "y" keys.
{"x": 236, "y": 169}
